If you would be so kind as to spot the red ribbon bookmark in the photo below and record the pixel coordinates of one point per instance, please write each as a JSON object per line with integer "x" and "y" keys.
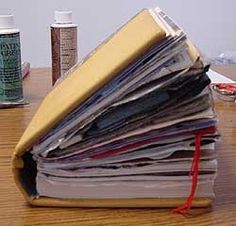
{"x": 194, "y": 172}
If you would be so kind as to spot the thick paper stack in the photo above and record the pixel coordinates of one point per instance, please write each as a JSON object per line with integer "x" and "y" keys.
{"x": 133, "y": 125}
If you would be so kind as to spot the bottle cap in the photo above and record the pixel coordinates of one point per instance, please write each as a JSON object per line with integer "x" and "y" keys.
{"x": 63, "y": 17}
{"x": 6, "y": 21}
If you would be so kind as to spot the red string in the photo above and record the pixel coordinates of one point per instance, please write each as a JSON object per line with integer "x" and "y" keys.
{"x": 194, "y": 172}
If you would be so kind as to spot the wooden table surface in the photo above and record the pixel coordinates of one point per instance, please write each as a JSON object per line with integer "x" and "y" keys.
{"x": 15, "y": 211}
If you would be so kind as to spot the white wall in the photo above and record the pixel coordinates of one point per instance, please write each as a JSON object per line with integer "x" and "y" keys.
{"x": 211, "y": 24}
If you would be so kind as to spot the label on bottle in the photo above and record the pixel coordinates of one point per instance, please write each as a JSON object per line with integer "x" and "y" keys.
{"x": 10, "y": 68}
{"x": 64, "y": 50}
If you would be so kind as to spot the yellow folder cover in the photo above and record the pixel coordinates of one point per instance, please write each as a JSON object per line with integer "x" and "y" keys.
{"x": 121, "y": 49}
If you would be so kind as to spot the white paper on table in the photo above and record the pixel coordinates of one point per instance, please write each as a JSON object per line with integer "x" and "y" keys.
{"x": 219, "y": 78}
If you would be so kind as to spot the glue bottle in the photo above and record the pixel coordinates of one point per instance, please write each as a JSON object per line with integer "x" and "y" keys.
{"x": 11, "y": 90}
{"x": 63, "y": 44}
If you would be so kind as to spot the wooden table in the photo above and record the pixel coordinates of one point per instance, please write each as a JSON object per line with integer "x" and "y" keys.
{"x": 15, "y": 211}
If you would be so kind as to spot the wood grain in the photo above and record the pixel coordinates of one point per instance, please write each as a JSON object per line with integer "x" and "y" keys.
{"x": 15, "y": 211}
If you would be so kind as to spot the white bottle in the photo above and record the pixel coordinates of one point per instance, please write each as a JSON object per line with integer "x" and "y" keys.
{"x": 63, "y": 44}
{"x": 11, "y": 89}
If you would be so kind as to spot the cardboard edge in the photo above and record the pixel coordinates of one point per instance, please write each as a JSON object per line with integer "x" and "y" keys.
{"x": 17, "y": 165}
{"x": 120, "y": 203}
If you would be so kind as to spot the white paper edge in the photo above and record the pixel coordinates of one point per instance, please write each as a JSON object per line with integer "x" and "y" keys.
{"x": 219, "y": 78}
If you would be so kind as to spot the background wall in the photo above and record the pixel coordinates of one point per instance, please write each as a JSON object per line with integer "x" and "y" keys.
{"x": 211, "y": 24}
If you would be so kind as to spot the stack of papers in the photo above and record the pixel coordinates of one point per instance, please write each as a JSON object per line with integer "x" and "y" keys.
{"x": 140, "y": 135}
